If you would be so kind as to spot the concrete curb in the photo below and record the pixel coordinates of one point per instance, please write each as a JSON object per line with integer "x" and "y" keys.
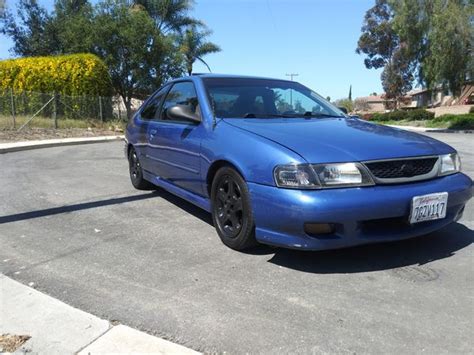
{"x": 57, "y": 328}
{"x": 47, "y": 143}
{"x": 432, "y": 130}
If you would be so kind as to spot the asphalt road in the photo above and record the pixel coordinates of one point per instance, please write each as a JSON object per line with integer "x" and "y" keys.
{"x": 71, "y": 223}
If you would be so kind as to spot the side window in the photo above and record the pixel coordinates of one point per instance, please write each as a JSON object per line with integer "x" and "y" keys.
{"x": 150, "y": 111}
{"x": 181, "y": 94}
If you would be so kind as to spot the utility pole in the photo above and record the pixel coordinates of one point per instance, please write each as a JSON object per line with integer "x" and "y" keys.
{"x": 291, "y": 75}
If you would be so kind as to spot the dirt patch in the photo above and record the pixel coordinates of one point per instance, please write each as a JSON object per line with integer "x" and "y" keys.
{"x": 10, "y": 343}
{"x": 8, "y": 135}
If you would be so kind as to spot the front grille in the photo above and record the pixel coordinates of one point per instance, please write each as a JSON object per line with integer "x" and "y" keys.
{"x": 406, "y": 168}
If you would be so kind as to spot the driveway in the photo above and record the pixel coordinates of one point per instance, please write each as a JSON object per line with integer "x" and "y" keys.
{"x": 71, "y": 223}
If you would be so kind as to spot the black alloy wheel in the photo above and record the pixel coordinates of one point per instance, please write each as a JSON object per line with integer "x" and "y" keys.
{"x": 231, "y": 209}
{"x": 136, "y": 173}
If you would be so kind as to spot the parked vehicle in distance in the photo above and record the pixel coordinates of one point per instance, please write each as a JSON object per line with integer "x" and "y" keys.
{"x": 275, "y": 163}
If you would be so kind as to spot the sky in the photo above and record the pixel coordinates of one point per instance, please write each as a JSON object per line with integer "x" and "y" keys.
{"x": 314, "y": 38}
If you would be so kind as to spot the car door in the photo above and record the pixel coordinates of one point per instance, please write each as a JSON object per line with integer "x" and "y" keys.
{"x": 149, "y": 112}
{"x": 174, "y": 145}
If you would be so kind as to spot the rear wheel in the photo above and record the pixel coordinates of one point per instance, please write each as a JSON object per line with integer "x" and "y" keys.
{"x": 231, "y": 209}
{"x": 136, "y": 172}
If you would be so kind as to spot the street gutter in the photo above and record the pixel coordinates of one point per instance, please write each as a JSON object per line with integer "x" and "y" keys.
{"x": 47, "y": 143}
{"x": 54, "y": 327}
{"x": 431, "y": 130}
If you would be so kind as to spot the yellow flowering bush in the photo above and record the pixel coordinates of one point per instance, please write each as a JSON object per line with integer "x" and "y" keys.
{"x": 73, "y": 75}
{"x": 78, "y": 79}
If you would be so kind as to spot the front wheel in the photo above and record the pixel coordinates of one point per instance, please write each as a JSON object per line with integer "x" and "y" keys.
{"x": 231, "y": 209}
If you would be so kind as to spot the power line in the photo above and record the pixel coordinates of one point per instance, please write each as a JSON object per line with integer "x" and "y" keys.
{"x": 292, "y": 75}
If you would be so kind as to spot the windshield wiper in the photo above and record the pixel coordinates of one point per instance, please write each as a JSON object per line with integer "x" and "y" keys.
{"x": 254, "y": 115}
{"x": 312, "y": 114}
{"x": 307, "y": 114}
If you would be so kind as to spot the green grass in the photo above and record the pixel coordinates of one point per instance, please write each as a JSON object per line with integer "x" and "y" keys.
{"x": 465, "y": 121}
{"x": 6, "y": 122}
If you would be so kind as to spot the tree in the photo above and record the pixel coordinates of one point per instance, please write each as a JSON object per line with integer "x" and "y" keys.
{"x": 299, "y": 107}
{"x": 140, "y": 58}
{"x": 346, "y": 103}
{"x": 378, "y": 39}
{"x": 410, "y": 21}
{"x": 430, "y": 40}
{"x": 194, "y": 47}
{"x": 141, "y": 41}
{"x": 170, "y": 15}
{"x": 450, "y": 39}
{"x": 350, "y": 93}
{"x": 382, "y": 46}
{"x": 73, "y": 22}
{"x": 31, "y": 30}
{"x": 397, "y": 77}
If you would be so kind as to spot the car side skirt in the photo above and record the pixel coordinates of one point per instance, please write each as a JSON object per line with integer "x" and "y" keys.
{"x": 197, "y": 200}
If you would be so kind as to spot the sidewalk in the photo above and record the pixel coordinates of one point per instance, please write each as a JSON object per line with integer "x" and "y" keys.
{"x": 26, "y": 145}
{"x": 431, "y": 130}
{"x": 57, "y": 328}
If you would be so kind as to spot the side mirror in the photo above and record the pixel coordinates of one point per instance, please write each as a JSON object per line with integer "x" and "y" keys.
{"x": 182, "y": 112}
{"x": 343, "y": 109}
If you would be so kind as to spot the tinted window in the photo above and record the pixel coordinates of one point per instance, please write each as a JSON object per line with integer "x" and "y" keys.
{"x": 242, "y": 97}
{"x": 181, "y": 94}
{"x": 150, "y": 111}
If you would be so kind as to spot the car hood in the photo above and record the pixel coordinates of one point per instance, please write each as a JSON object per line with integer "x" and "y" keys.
{"x": 341, "y": 139}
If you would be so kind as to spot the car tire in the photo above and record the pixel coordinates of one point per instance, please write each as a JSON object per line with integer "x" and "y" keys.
{"x": 136, "y": 172}
{"x": 231, "y": 209}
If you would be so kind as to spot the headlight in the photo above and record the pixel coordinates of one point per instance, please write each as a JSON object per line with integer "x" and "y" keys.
{"x": 305, "y": 176}
{"x": 345, "y": 174}
{"x": 295, "y": 176}
{"x": 449, "y": 164}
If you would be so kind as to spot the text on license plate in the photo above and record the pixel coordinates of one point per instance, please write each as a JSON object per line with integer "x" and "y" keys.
{"x": 428, "y": 207}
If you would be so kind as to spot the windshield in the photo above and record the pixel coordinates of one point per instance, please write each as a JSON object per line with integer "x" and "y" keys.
{"x": 257, "y": 98}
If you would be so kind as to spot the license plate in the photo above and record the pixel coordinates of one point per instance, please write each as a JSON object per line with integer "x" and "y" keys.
{"x": 428, "y": 207}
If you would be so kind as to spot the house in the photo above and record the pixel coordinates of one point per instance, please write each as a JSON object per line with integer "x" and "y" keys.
{"x": 441, "y": 97}
{"x": 372, "y": 103}
{"x": 430, "y": 98}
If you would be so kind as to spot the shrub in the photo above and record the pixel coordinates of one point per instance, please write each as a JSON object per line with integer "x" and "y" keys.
{"x": 346, "y": 103}
{"x": 420, "y": 115}
{"x": 378, "y": 117}
{"x": 74, "y": 75}
{"x": 368, "y": 116}
{"x": 399, "y": 115}
{"x": 79, "y": 80}
{"x": 391, "y": 116}
{"x": 465, "y": 121}
{"x": 471, "y": 110}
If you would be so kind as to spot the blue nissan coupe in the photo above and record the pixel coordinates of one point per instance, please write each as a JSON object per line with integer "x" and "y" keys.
{"x": 275, "y": 163}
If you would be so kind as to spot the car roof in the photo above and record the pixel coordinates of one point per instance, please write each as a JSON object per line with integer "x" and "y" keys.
{"x": 225, "y": 76}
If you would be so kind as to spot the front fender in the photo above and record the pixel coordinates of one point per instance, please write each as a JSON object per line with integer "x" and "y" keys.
{"x": 254, "y": 156}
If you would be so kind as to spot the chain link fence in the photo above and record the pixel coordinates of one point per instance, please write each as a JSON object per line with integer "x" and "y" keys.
{"x": 18, "y": 110}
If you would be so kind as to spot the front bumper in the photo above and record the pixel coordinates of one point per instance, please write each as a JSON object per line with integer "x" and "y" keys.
{"x": 360, "y": 215}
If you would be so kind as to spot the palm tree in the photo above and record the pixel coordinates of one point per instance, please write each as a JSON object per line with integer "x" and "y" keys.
{"x": 170, "y": 15}
{"x": 194, "y": 47}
